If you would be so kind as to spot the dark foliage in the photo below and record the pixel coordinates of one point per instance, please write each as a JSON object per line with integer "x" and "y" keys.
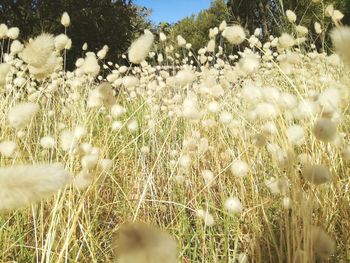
{"x": 97, "y": 22}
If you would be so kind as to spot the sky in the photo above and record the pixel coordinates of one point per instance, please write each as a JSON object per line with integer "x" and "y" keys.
{"x": 173, "y": 10}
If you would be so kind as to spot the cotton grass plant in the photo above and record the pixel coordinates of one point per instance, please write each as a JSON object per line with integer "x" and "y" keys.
{"x": 238, "y": 157}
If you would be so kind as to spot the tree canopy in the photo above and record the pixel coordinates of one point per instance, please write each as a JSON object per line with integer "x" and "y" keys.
{"x": 96, "y": 22}
{"x": 269, "y": 15}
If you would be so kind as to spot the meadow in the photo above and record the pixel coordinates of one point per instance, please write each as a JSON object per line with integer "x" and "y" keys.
{"x": 238, "y": 152}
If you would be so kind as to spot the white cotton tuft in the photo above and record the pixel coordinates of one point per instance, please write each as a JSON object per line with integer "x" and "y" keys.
{"x": 180, "y": 41}
{"x": 206, "y": 216}
{"x": 40, "y": 56}
{"x": 208, "y": 176}
{"x": 251, "y": 94}
{"x": 23, "y": 185}
{"x": 38, "y": 50}
{"x": 225, "y": 117}
{"x": 139, "y": 243}
{"x": 105, "y": 165}
{"x": 341, "y": 39}
{"x": 286, "y": 41}
{"x": 318, "y": 28}
{"x": 234, "y": 34}
{"x": 48, "y": 142}
{"x": 233, "y": 205}
{"x": 16, "y": 47}
{"x": 61, "y": 42}
{"x": 213, "y": 107}
{"x": 239, "y": 168}
{"x": 65, "y": 19}
{"x": 117, "y": 110}
{"x": 223, "y": 26}
{"x": 20, "y": 115}
{"x": 4, "y": 70}
{"x": 90, "y": 65}
{"x": 117, "y": 125}
{"x": 3, "y": 31}
{"x": 249, "y": 64}
{"x": 316, "y": 174}
{"x": 184, "y": 77}
{"x": 295, "y": 134}
{"x": 13, "y": 33}
{"x": 185, "y": 161}
{"x": 190, "y": 109}
{"x": 266, "y": 111}
{"x": 140, "y": 48}
{"x": 89, "y": 161}
{"x": 7, "y": 148}
{"x": 325, "y": 130}
{"x": 211, "y": 45}
{"x": 82, "y": 180}
{"x": 291, "y": 16}
{"x": 323, "y": 246}
{"x": 277, "y": 186}
{"x": 162, "y": 37}
{"x": 68, "y": 142}
{"x": 103, "y": 95}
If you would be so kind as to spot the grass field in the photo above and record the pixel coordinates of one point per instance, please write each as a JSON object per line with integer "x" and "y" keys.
{"x": 242, "y": 157}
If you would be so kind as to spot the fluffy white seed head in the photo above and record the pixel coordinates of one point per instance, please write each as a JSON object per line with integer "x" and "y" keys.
{"x": 65, "y": 19}
{"x": 291, "y": 16}
{"x": 68, "y": 142}
{"x": 48, "y": 142}
{"x": 40, "y": 56}
{"x": 341, "y": 39}
{"x": 318, "y": 28}
{"x": 316, "y": 174}
{"x": 208, "y": 176}
{"x": 4, "y": 70}
{"x": 105, "y": 165}
{"x": 323, "y": 246}
{"x": 82, "y": 180}
{"x": 234, "y": 34}
{"x": 103, "y": 95}
{"x": 13, "y": 33}
{"x": 3, "y": 31}
{"x": 239, "y": 168}
{"x": 7, "y": 148}
{"x": 61, "y": 41}
{"x": 207, "y": 218}
{"x": 20, "y": 115}
{"x": 181, "y": 41}
{"x": 37, "y": 51}
{"x": 277, "y": 186}
{"x": 286, "y": 41}
{"x": 140, "y": 48}
{"x": 23, "y": 185}
{"x": 117, "y": 110}
{"x": 16, "y": 47}
{"x": 162, "y": 37}
{"x": 295, "y": 134}
{"x": 233, "y": 205}
{"x": 223, "y": 26}
{"x": 249, "y": 64}
{"x": 89, "y": 162}
{"x": 90, "y": 65}
{"x": 144, "y": 244}
{"x": 325, "y": 130}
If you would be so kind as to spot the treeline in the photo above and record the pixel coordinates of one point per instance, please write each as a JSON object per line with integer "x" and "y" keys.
{"x": 96, "y": 22}
{"x": 268, "y": 15}
{"x": 117, "y": 22}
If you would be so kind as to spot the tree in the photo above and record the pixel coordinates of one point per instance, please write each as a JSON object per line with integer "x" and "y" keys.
{"x": 97, "y": 22}
{"x": 195, "y": 29}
